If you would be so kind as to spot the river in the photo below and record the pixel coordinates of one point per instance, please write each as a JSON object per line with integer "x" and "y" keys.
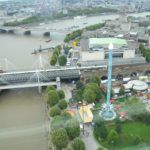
{"x": 23, "y": 121}
{"x": 17, "y": 50}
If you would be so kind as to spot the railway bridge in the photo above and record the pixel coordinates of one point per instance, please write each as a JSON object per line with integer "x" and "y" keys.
{"x": 41, "y": 77}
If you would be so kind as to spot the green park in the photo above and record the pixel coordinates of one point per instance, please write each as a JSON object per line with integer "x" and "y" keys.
{"x": 130, "y": 128}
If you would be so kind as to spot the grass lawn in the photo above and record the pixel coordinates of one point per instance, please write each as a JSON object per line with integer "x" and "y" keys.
{"x": 126, "y": 139}
{"x": 136, "y": 128}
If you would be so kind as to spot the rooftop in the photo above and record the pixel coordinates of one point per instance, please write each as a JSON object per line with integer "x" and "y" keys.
{"x": 107, "y": 41}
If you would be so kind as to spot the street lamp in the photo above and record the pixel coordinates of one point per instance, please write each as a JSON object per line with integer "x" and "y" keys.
{"x": 83, "y": 104}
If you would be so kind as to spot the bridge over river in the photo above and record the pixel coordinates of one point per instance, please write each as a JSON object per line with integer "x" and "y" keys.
{"x": 39, "y": 78}
{"x": 29, "y": 30}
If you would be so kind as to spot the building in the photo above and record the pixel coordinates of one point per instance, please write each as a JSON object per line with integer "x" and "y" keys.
{"x": 120, "y": 50}
{"x": 97, "y": 52}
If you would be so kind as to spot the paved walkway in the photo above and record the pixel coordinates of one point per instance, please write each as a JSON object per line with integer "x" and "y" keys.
{"x": 67, "y": 88}
{"x": 89, "y": 139}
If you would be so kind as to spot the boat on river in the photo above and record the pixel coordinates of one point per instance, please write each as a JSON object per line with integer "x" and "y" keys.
{"x": 47, "y": 41}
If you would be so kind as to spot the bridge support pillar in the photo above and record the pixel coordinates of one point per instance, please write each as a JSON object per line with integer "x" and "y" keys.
{"x": 47, "y": 34}
{"x": 58, "y": 83}
{"x": 39, "y": 89}
{"x": 28, "y": 32}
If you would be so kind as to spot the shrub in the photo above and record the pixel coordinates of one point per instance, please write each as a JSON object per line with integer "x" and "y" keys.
{"x": 73, "y": 128}
{"x": 78, "y": 144}
{"x": 55, "y": 111}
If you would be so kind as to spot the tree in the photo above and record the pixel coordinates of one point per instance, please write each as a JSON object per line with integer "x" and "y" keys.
{"x": 113, "y": 137}
{"x": 95, "y": 88}
{"x": 68, "y": 148}
{"x": 62, "y": 104}
{"x": 53, "y": 60}
{"x": 141, "y": 48}
{"x": 145, "y": 52}
{"x": 57, "y": 122}
{"x": 79, "y": 84}
{"x": 79, "y": 95}
{"x": 73, "y": 128}
{"x": 95, "y": 79}
{"x": 78, "y": 144}
{"x": 122, "y": 90}
{"x": 136, "y": 140}
{"x": 118, "y": 126}
{"x": 100, "y": 129}
{"x": 66, "y": 49}
{"x": 112, "y": 93}
{"x": 56, "y": 52}
{"x": 61, "y": 94}
{"x": 52, "y": 98}
{"x": 60, "y": 121}
{"x": 50, "y": 88}
{"x": 147, "y": 119}
{"x": 100, "y": 148}
{"x": 59, "y": 138}
{"x": 66, "y": 115}
{"x": 54, "y": 111}
{"x": 89, "y": 95}
{"x": 62, "y": 60}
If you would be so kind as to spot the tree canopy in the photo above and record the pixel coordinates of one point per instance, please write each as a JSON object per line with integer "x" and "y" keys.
{"x": 78, "y": 144}
{"x": 62, "y": 60}
{"x": 89, "y": 95}
{"x": 73, "y": 128}
{"x": 113, "y": 137}
{"x": 95, "y": 79}
{"x": 59, "y": 138}
{"x": 122, "y": 90}
{"x": 95, "y": 88}
{"x": 62, "y": 104}
{"x": 100, "y": 129}
{"x": 52, "y": 98}
{"x": 54, "y": 111}
{"x": 61, "y": 94}
{"x": 145, "y": 52}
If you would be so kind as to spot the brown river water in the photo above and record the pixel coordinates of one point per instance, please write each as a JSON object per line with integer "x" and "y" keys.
{"x": 23, "y": 120}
